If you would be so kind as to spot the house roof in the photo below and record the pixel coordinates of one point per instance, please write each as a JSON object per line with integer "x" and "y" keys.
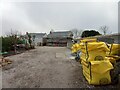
{"x": 38, "y": 34}
{"x": 61, "y": 34}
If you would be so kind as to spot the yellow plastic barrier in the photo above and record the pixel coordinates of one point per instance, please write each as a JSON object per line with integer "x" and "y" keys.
{"x": 94, "y": 55}
{"x": 97, "y": 72}
{"x": 114, "y": 46}
{"x": 93, "y": 50}
{"x": 90, "y": 46}
{"x": 115, "y": 49}
{"x": 75, "y": 48}
{"x": 112, "y": 58}
{"x": 88, "y": 40}
{"x": 93, "y": 46}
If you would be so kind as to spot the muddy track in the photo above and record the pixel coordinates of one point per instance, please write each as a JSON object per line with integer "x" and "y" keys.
{"x": 45, "y": 67}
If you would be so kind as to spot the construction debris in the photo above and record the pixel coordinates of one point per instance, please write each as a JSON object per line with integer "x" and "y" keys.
{"x": 4, "y": 62}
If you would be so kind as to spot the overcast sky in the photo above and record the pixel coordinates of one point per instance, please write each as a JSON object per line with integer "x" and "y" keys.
{"x": 44, "y": 16}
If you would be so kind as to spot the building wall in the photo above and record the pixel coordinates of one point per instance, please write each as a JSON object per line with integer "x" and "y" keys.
{"x": 38, "y": 40}
{"x": 110, "y": 38}
{"x": 106, "y": 39}
{"x": 58, "y": 42}
{"x": 116, "y": 39}
{"x": 69, "y": 44}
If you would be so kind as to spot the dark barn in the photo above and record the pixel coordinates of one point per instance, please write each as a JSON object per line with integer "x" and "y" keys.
{"x": 63, "y": 38}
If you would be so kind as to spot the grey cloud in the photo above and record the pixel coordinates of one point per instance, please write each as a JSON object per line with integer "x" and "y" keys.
{"x": 41, "y": 17}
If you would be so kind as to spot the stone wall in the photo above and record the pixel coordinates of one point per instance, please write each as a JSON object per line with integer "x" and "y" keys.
{"x": 115, "y": 38}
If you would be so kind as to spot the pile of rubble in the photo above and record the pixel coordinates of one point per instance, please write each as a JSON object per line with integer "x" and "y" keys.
{"x": 4, "y": 62}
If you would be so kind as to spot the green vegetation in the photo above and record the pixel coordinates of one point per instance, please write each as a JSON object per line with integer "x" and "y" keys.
{"x": 7, "y": 43}
{"x": 88, "y": 33}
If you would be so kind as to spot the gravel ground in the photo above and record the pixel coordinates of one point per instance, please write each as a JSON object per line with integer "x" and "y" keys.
{"x": 45, "y": 67}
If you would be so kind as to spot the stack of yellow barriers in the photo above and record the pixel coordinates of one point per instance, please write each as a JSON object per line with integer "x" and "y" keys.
{"x": 96, "y": 66}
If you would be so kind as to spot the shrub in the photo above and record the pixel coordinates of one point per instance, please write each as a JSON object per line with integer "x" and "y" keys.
{"x": 8, "y": 43}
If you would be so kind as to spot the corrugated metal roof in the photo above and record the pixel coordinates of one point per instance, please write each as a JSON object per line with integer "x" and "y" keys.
{"x": 38, "y": 34}
{"x": 60, "y": 34}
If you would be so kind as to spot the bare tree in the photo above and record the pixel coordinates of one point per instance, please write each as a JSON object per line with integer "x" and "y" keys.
{"x": 104, "y": 29}
{"x": 52, "y": 30}
{"x": 12, "y": 32}
{"x": 76, "y": 32}
{"x": 80, "y": 32}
